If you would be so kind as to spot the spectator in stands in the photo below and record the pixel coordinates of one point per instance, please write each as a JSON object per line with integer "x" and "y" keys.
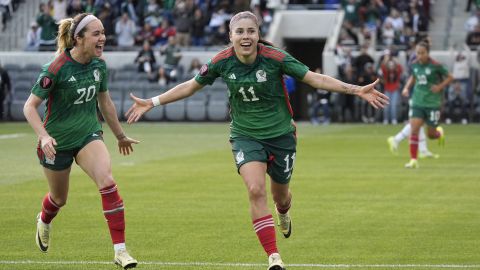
{"x": 472, "y": 21}
{"x": 183, "y": 24}
{"x": 146, "y": 34}
{"x": 59, "y": 8}
{"x": 146, "y": 60}
{"x": 33, "y": 37}
{"x": 164, "y": 32}
{"x": 319, "y": 99}
{"x": 169, "y": 71}
{"x": 108, "y": 20}
{"x": 194, "y": 68}
{"x": 350, "y": 7}
{"x": 348, "y": 34}
{"x": 220, "y": 36}
{"x": 198, "y": 28}
{"x": 262, "y": 129}
{"x": 362, "y": 59}
{"x": 49, "y": 28}
{"x": 469, "y": 5}
{"x": 367, "y": 77}
{"x": 125, "y": 29}
{"x": 391, "y": 76}
{"x": 218, "y": 19}
{"x": 460, "y": 67}
{"x": 388, "y": 33}
{"x": 129, "y": 7}
{"x": 153, "y": 13}
{"x": 473, "y": 38}
{"x": 75, "y": 7}
{"x": 395, "y": 20}
{"x": 347, "y": 102}
{"x": 457, "y": 104}
{"x": 5, "y": 93}
{"x": 90, "y": 7}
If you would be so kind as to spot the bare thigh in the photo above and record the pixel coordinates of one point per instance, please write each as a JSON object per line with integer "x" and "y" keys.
{"x": 94, "y": 159}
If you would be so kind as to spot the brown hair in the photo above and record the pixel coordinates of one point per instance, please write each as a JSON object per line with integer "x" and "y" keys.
{"x": 66, "y": 30}
{"x": 424, "y": 43}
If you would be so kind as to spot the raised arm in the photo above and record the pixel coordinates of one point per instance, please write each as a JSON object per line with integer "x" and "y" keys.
{"x": 178, "y": 92}
{"x": 367, "y": 92}
{"x": 107, "y": 108}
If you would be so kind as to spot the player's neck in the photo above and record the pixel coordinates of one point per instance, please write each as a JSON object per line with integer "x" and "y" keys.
{"x": 247, "y": 60}
{"x": 79, "y": 56}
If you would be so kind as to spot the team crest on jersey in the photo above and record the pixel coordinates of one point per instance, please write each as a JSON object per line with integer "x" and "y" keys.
{"x": 261, "y": 76}
{"x": 240, "y": 157}
{"x": 203, "y": 70}
{"x": 96, "y": 75}
{"x": 428, "y": 71}
{"x": 46, "y": 82}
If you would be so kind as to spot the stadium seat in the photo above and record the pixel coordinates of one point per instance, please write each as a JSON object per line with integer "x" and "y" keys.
{"x": 175, "y": 111}
{"x": 12, "y": 67}
{"x": 217, "y": 108}
{"x": 21, "y": 92}
{"x": 197, "y": 106}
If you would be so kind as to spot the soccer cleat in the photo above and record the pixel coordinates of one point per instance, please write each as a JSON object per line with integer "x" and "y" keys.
{"x": 441, "y": 139}
{"x": 428, "y": 154}
{"x": 123, "y": 259}
{"x": 275, "y": 262}
{"x": 392, "y": 145}
{"x": 285, "y": 224}
{"x": 42, "y": 237}
{"x": 412, "y": 164}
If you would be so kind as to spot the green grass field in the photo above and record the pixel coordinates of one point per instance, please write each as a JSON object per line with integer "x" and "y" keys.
{"x": 355, "y": 206}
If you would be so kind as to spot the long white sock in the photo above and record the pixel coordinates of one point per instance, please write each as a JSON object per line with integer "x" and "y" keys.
{"x": 119, "y": 246}
{"x": 403, "y": 134}
{"x": 422, "y": 141}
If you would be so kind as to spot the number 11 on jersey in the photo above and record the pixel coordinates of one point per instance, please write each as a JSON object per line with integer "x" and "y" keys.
{"x": 251, "y": 91}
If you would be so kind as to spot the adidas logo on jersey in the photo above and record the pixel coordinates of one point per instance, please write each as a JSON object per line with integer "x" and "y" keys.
{"x": 232, "y": 76}
{"x": 72, "y": 79}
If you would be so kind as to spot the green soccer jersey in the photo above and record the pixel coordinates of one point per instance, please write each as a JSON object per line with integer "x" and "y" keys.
{"x": 259, "y": 103}
{"x": 70, "y": 90}
{"x": 427, "y": 75}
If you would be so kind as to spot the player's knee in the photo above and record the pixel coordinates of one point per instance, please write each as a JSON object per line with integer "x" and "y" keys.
{"x": 105, "y": 180}
{"x": 256, "y": 192}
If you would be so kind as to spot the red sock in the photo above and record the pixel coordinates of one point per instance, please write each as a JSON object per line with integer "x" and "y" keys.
{"x": 49, "y": 209}
{"x": 113, "y": 210}
{"x": 413, "y": 146}
{"x": 265, "y": 229}
{"x": 284, "y": 210}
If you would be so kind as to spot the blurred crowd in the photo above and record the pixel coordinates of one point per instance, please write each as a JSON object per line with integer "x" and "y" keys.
{"x": 129, "y": 23}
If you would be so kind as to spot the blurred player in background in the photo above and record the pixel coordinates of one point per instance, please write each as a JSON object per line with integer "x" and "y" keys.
{"x": 429, "y": 79}
{"x": 72, "y": 84}
{"x": 262, "y": 129}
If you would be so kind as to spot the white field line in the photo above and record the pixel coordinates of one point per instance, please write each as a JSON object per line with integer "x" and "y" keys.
{"x": 12, "y": 136}
{"x": 295, "y": 265}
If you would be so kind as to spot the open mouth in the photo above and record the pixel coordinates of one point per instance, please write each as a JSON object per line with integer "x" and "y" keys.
{"x": 99, "y": 47}
{"x": 246, "y": 44}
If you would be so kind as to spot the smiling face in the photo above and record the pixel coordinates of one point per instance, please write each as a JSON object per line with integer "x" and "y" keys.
{"x": 93, "y": 41}
{"x": 244, "y": 36}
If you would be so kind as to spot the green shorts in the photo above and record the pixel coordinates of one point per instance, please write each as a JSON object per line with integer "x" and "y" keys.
{"x": 431, "y": 116}
{"x": 64, "y": 159}
{"x": 278, "y": 153}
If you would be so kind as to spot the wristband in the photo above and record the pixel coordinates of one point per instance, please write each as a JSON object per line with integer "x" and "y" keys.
{"x": 156, "y": 101}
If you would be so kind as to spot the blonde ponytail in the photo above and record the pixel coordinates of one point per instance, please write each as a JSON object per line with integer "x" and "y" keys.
{"x": 64, "y": 37}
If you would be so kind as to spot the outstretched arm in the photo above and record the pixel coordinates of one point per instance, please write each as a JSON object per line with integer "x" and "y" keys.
{"x": 367, "y": 92}
{"x": 141, "y": 106}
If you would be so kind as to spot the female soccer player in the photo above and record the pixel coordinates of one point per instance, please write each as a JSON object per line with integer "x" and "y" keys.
{"x": 262, "y": 130}
{"x": 429, "y": 78}
{"x": 73, "y": 83}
